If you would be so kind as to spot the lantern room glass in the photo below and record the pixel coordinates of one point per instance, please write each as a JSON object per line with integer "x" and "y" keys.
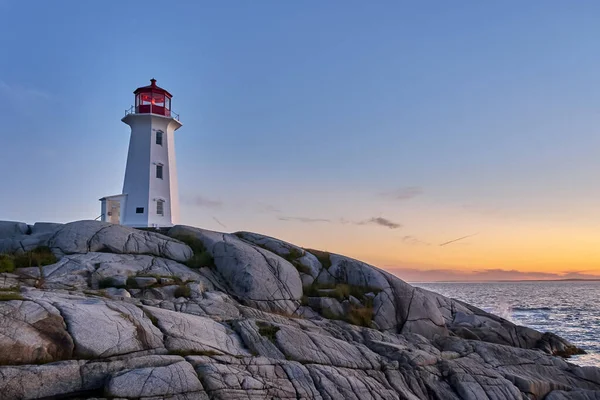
{"x": 152, "y": 102}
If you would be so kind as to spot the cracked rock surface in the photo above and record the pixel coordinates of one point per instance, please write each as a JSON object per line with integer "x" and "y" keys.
{"x": 123, "y": 313}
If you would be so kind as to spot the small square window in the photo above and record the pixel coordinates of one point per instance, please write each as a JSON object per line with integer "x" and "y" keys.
{"x": 159, "y": 138}
{"x": 160, "y": 209}
{"x": 139, "y": 210}
{"x": 159, "y": 171}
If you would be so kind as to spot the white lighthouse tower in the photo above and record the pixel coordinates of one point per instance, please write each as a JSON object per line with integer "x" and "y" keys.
{"x": 150, "y": 197}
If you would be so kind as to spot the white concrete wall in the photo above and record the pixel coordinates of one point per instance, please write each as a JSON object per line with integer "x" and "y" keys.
{"x": 141, "y": 185}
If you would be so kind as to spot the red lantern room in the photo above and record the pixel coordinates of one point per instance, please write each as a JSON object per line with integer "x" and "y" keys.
{"x": 152, "y": 100}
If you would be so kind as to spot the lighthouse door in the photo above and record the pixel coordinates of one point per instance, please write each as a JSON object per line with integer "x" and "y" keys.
{"x": 114, "y": 211}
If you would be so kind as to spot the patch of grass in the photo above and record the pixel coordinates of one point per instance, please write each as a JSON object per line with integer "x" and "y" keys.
{"x": 304, "y": 300}
{"x": 10, "y": 289}
{"x": 200, "y": 260}
{"x": 183, "y": 291}
{"x": 185, "y": 353}
{"x": 294, "y": 254}
{"x": 151, "y": 317}
{"x": 356, "y": 315}
{"x": 201, "y": 257}
{"x": 108, "y": 282}
{"x": 362, "y": 316}
{"x": 323, "y": 257}
{"x": 339, "y": 291}
{"x": 6, "y": 263}
{"x": 6, "y": 296}
{"x": 132, "y": 283}
{"x": 267, "y": 330}
{"x": 98, "y": 293}
{"x": 34, "y": 258}
{"x": 302, "y": 268}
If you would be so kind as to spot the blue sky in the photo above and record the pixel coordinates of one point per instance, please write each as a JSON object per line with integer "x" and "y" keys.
{"x": 316, "y": 121}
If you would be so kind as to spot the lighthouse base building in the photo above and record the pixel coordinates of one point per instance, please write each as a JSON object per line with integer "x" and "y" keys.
{"x": 150, "y": 193}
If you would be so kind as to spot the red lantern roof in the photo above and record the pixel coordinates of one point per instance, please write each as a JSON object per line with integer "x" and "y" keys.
{"x": 152, "y": 88}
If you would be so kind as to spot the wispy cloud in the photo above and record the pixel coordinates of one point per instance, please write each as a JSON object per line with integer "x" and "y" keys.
{"x": 201, "y": 201}
{"x": 267, "y": 208}
{"x": 412, "y": 240}
{"x": 403, "y": 193}
{"x": 495, "y": 274}
{"x": 457, "y": 239}
{"x": 306, "y": 220}
{"x": 381, "y": 222}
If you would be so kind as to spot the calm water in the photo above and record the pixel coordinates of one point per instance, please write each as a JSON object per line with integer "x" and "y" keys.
{"x": 569, "y": 309}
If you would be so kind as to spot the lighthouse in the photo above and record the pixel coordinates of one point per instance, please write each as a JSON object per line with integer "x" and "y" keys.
{"x": 150, "y": 194}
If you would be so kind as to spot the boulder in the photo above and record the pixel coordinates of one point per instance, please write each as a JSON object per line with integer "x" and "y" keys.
{"x": 31, "y": 333}
{"x": 169, "y": 380}
{"x": 254, "y": 275}
{"x": 100, "y": 327}
{"x": 94, "y": 236}
{"x": 40, "y": 381}
{"x": 9, "y": 229}
{"x": 260, "y": 378}
{"x": 192, "y": 334}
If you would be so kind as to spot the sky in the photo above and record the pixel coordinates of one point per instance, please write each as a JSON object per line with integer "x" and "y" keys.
{"x": 379, "y": 130}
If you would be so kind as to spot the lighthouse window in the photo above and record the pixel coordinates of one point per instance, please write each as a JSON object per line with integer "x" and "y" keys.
{"x": 145, "y": 99}
{"x": 158, "y": 99}
{"x": 159, "y": 137}
{"x": 139, "y": 210}
{"x": 160, "y": 210}
{"x": 159, "y": 171}
{"x": 168, "y": 103}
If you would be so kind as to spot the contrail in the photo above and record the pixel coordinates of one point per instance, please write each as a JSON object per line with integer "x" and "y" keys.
{"x": 456, "y": 240}
{"x": 219, "y": 222}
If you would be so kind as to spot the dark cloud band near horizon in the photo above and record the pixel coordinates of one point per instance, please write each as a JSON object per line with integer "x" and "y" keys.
{"x": 495, "y": 274}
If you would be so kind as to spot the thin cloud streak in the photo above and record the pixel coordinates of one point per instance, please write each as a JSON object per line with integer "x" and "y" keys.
{"x": 201, "y": 201}
{"x": 267, "y": 208}
{"x": 404, "y": 193}
{"x": 456, "y": 240}
{"x": 411, "y": 240}
{"x": 306, "y": 220}
{"x": 379, "y": 221}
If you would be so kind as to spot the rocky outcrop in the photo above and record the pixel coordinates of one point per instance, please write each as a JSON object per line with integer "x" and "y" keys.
{"x": 255, "y": 276}
{"x": 124, "y": 313}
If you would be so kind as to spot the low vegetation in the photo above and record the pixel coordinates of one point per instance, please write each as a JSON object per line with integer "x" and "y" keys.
{"x": 339, "y": 291}
{"x": 6, "y": 263}
{"x": 6, "y": 296}
{"x": 323, "y": 257}
{"x": 108, "y": 282}
{"x": 267, "y": 330}
{"x": 183, "y": 291}
{"x": 185, "y": 353}
{"x": 201, "y": 257}
{"x": 356, "y": 314}
{"x": 35, "y": 258}
{"x": 132, "y": 283}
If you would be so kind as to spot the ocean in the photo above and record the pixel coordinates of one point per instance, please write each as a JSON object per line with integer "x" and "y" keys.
{"x": 568, "y": 309}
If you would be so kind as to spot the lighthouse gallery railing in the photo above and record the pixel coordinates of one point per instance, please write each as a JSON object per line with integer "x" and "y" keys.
{"x": 162, "y": 111}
